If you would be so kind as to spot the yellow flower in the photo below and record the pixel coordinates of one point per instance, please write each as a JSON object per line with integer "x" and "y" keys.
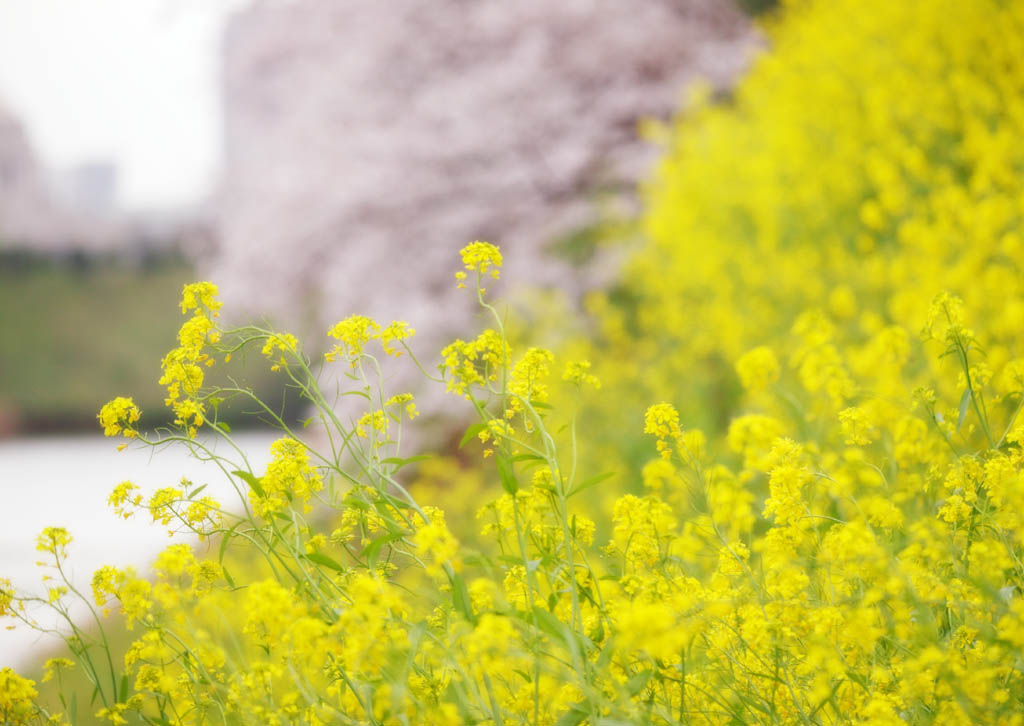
{"x": 123, "y": 495}
{"x": 54, "y": 540}
{"x": 404, "y": 398}
{"x": 354, "y": 332}
{"x": 642, "y": 529}
{"x": 161, "y": 504}
{"x": 279, "y": 343}
{"x": 315, "y": 543}
{"x": 200, "y": 294}
{"x": 396, "y": 332}
{"x": 786, "y": 481}
{"x": 753, "y": 435}
{"x": 17, "y": 698}
{"x": 203, "y": 510}
{"x": 118, "y": 415}
{"x": 490, "y": 642}
{"x": 114, "y": 714}
{"x": 195, "y": 333}
{"x": 652, "y": 628}
{"x": 436, "y": 544}
{"x": 482, "y": 258}
{"x": 662, "y": 421}
{"x": 856, "y": 426}
{"x": 375, "y": 422}
{"x": 7, "y": 597}
{"x": 289, "y": 478}
{"x": 475, "y": 363}
{"x": 132, "y": 592}
{"x": 527, "y": 380}
{"x": 578, "y": 373}
{"x": 758, "y": 368}
{"x": 53, "y": 665}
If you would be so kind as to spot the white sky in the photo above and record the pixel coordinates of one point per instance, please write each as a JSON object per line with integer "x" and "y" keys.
{"x": 132, "y": 81}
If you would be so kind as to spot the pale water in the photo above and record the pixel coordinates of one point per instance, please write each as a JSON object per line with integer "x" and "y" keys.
{"x": 65, "y": 481}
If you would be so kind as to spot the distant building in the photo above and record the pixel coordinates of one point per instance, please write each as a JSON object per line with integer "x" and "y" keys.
{"x": 366, "y": 142}
{"x": 74, "y": 213}
{"x": 90, "y": 188}
{"x": 26, "y": 213}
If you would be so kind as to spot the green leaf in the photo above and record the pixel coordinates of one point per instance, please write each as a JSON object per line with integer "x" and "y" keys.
{"x": 460, "y": 598}
{"x": 322, "y": 559}
{"x": 527, "y": 457}
{"x": 471, "y": 432}
{"x": 307, "y": 422}
{"x": 541, "y": 404}
{"x": 399, "y": 462}
{"x": 125, "y": 683}
{"x": 394, "y": 502}
{"x": 549, "y": 623}
{"x": 224, "y": 427}
{"x": 364, "y": 394}
{"x": 251, "y": 480}
{"x": 194, "y": 492}
{"x": 964, "y": 400}
{"x": 577, "y": 714}
{"x": 227, "y": 577}
{"x": 476, "y": 559}
{"x": 587, "y": 483}
{"x": 636, "y": 684}
{"x": 372, "y": 550}
{"x": 506, "y": 472}
{"x": 225, "y": 539}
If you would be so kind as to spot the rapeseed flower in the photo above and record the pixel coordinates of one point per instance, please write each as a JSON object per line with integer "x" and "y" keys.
{"x": 119, "y": 415}
{"x": 831, "y": 523}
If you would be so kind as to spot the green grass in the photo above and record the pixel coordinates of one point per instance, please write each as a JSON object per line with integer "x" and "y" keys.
{"x": 74, "y": 334}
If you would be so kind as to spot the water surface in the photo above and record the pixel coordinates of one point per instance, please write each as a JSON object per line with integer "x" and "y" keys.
{"x": 65, "y": 481}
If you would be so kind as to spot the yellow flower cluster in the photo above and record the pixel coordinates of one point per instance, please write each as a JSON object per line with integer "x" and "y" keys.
{"x": 758, "y": 368}
{"x": 822, "y": 520}
{"x": 277, "y": 347}
{"x": 182, "y": 367}
{"x": 6, "y": 597}
{"x": 123, "y": 497}
{"x": 199, "y": 295}
{"x": 131, "y": 591}
{"x": 119, "y": 415}
{"x": 55, "y": 541}
{"x": 578, "y": 372}
{"x": 436, "y": 543}
{"x": 17, "y": 696}
{"x": 356, "y": 331}
{"x": 527, "y": 384}
{"x": 482, "y": 258}
{"x": 864, "y": 183}
{"x": 466, "y": 364}
{"x": 289, "y": 478}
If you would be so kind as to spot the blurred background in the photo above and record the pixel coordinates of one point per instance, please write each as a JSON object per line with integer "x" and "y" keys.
{"x": 296, "y": 153}
{"x": 315, "y": 158}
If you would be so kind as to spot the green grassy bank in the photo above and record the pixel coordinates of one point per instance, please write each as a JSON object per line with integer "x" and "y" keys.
{"x": 75, "y": 332}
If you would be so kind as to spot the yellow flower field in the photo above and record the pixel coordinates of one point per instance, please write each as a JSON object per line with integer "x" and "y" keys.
{"x": 805, "y": 388}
